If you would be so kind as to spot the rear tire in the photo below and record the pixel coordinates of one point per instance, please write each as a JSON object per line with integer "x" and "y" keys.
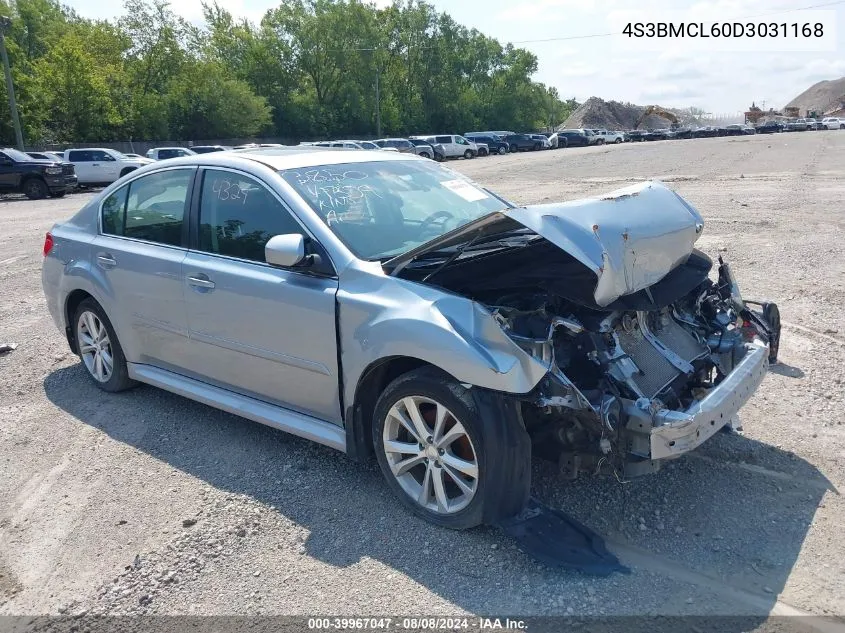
{"x": 471, "y": 468}
{"x": 537, "y": 146}
{"x": 514, "y": 149}
{"x": 35, "y": 189}
{"x": 98, "y": 348}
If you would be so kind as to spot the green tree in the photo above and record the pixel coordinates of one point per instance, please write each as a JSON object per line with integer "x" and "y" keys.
{"x": 204, "y": 103}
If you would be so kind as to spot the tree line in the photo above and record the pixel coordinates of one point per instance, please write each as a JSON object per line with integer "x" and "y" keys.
{"x": 309, "y": 69}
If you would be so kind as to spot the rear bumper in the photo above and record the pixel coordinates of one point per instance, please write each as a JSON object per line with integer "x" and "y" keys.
{"x": 677, "y": 432}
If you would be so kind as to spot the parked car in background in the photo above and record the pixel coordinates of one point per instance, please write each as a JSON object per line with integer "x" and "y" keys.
{"x": 834, "y": 123}
{"x": 739, "y": 129}
{"x": 102, "y": 166}
{"x": 129, "y": 155}
{"x": 609, "y": 137}
{"x": 366, "y": 144}
{"x": 574, "y": 138}
{"x": 522, "y": 142}
{"x": 345, "y": 144}
{"x": 632, "y": 136}
{"x": 494, "y": 142}
{"x": 454, "y": 145}
{"x": 163, "y": 153}
{"x": 54, "y": 156}
{"x": 798, "y": 125}
{"x": 557, "y": 141}
{"x": 429, "y": 150}
{"x": 440, "y": 330}
{"x": 207, "y": 149}
{"x": 683, "y": 132}
{"x": 35, "y": 178}
{"x": 544, "y": 140}
{"x": 769, "y": 127}
{"x": 399, "y": 144}
{"x": 660, "y": 134}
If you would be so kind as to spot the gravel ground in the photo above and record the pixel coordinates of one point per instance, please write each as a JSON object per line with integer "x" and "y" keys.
{"x": 145, "y": 502}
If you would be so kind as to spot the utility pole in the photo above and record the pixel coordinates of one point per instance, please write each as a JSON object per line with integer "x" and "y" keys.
{"x": 378, "y": 104}
{"x": 5, "y": 25}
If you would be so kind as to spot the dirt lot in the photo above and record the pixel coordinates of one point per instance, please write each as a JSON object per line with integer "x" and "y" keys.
{"x": 145, "y": 502}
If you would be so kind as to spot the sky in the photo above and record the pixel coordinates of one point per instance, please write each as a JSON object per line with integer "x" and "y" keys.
{"x": 721, "y": 76}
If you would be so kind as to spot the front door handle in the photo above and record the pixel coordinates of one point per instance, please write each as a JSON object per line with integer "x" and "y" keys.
{"x": 200, "y": 281}
{"x": 105, "y": 260}
{"x": 95, "y": 164}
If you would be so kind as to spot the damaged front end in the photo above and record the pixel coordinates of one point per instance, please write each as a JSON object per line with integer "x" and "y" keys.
{"x": 647, "y": 355}
{"x": 629, "y": 388}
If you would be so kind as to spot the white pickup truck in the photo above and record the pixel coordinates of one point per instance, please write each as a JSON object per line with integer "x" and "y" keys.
{"x": 102, "y": 166}
{"x": 609, "y": 136}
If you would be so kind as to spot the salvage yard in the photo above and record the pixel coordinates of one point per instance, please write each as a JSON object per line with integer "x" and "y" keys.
{"x": 145, "y": 502}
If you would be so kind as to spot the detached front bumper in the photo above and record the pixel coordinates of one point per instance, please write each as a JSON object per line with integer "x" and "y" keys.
{"x": 677, "y": 432}
{"x": 665, "y": 434}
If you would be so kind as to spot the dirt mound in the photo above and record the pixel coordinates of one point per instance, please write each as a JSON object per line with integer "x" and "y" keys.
{"x": 612, "y": 115}
{"x": 821, "y": 97}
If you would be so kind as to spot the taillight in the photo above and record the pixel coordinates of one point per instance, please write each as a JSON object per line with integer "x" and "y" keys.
{"x": 48, "y": 244}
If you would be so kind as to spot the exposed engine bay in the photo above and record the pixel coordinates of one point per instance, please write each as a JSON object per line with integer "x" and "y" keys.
{"x": 607, "y": 364}
{"x": 624, "y": 380}
{"x": 649, "y": 353}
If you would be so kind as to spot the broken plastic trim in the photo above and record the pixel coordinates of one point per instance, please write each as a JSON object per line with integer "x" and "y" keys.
{"x": 557, "y": 540}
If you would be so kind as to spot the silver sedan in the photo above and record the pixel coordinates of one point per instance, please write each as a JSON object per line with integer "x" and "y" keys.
{"x": 381, "y": 304}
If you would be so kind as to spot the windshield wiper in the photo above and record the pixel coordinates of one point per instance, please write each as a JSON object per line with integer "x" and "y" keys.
{"x": 451, "y": 258}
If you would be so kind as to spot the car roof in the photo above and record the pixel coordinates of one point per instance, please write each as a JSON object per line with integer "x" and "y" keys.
{"x": 296, "y": 157}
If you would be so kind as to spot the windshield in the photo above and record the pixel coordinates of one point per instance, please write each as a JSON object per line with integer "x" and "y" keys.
{"x": 385, "y": 208}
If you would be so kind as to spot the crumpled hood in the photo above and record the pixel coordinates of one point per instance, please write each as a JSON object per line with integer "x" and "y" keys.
{"x": 630, "y": 238}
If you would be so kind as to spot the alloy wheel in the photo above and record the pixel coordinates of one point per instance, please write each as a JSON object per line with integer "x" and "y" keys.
{"x": 430, "y": 454}
{"x": 95, "y": 346}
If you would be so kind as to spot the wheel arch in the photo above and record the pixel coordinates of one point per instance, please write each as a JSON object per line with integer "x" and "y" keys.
{"x": 72, "y": 302}
{"x": 372, "y": 383}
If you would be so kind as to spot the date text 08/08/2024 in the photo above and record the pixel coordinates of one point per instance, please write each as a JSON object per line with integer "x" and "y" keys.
{"x": 417, "y": 624}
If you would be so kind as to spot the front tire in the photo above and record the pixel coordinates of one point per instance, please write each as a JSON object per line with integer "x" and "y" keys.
{"x": 425, "y": 155}
{"x": 503, "y": 150}
{"x": 35, "y": 189}
{"x": 617, "y": 141}
{"x": 99, "y": 349}
{"x": 468, "y": 154}
{"x": 440, "y": 453}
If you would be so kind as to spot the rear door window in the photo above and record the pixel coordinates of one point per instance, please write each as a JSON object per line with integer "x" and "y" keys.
{"x": 150, "y": 208}
{"x": 80, "y": 156}
{"x": 443, "y": 139}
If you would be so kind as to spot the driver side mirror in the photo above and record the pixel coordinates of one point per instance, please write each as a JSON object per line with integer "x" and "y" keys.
{"x": 288, "y": 251}
{"x": 285, "y": 250}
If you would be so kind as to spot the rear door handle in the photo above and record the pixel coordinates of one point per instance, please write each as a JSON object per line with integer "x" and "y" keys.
{"x": 105, "y": 260}
{"x": 95, "y": 164}
{"x": 200, "y": 281}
